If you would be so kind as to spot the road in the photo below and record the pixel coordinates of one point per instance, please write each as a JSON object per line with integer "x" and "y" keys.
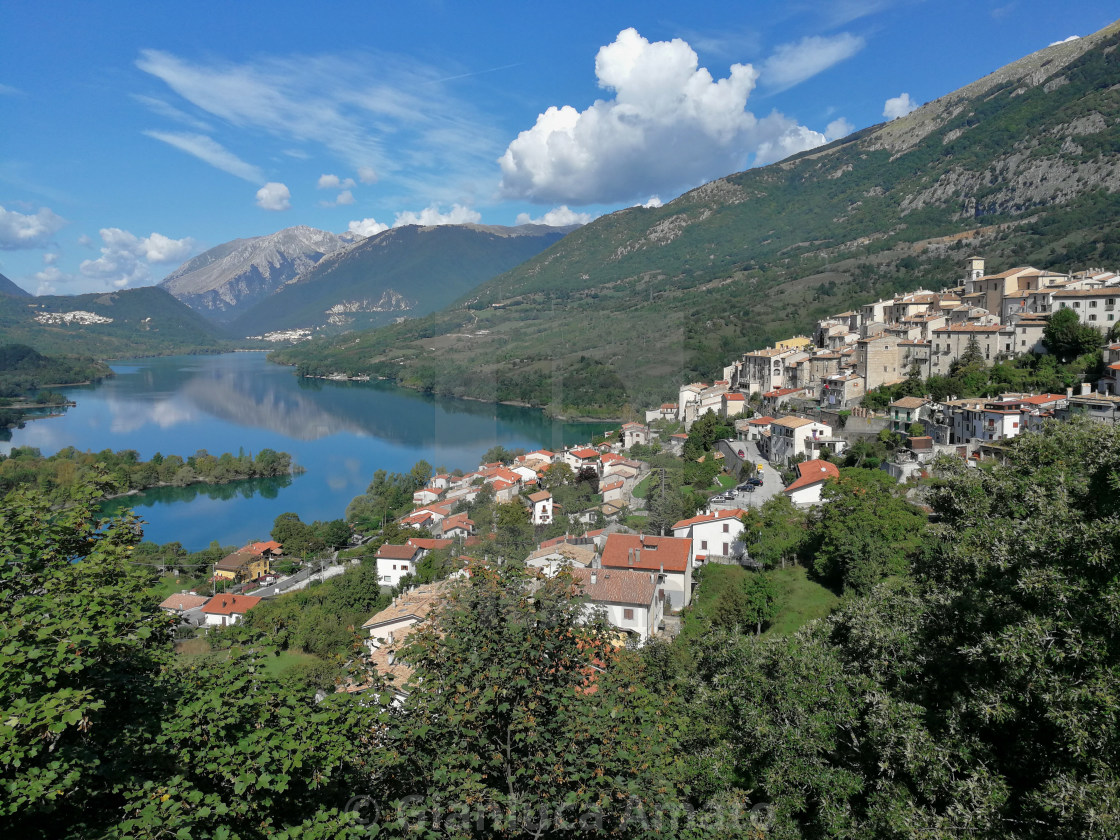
{"x": 771, "y": 482}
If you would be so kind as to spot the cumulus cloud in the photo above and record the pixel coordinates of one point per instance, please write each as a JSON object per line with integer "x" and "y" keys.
{"x": 557, "y": 217}
{"x": 838, "y": 128}
{"x": 126, "y": 258}
{"x": 274, "y": 196}
{"x": 210, "y": 151}
{"x": 367, "y": 227}
{"x": 1065, "y": 40}
{"x": 50, "y": 279}
{"x": 27, "y": 230}
{"x": 344, "y": 197}
{"x": 333, "y": 182}
{"x": 653, "y": 202}
{"x": 793, "y": 63}
{"x": 898, "y": 106}
{"x": 669, "y": 125}
{"x": 432, "y": 215}
{"x": 428, "y": 217}
{"x": 793, "y": 138}
{"x": 367, "y": 175}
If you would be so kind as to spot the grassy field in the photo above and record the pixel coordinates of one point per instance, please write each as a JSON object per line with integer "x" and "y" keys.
{"x": 170, "y": 584}
{"x": 642, "y": 490}
{"x": 198, "y": 649}
{"x": 726, "y": 482}
{"x": 802, "y": 600}
{"x": 277, "y": 665}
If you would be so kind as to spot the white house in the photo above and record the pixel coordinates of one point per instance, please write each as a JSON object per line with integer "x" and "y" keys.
{"x": 670, "y": 558}
{"x": 551, "y": 559}
{"x": 541, "y": 513}
{"x": 793, "y": 436}
{"x": 223, "y": 609}
{"x": 713, "y": 534}
{"x": 396, "y": 561}
{"x": 811, "y": 477}
{"x": 632, "y": 601}
{"x": 633, "y": 433}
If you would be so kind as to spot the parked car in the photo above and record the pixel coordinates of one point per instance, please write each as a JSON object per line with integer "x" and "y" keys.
{"x": 754, "y": 481}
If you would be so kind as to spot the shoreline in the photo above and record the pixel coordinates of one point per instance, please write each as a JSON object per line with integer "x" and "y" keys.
{"x": 368, "y": 377}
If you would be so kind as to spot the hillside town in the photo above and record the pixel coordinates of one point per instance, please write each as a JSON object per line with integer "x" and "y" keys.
{"x": 794, "y": 407}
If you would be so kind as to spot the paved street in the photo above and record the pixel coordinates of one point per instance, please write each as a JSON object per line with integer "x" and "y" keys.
{"x": 771, "y": 481}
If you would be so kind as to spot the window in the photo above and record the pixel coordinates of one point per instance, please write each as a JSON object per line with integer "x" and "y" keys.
{"x": 704, "y": 545}
{"x": 628, "y": 614}
{"x": 1092, "y": 304}
{"x": 725, "y": 527}
{"x": 1093, "y": 317}
{"x": 726, "y": 549}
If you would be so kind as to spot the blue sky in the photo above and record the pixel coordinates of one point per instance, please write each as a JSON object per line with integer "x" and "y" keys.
{"x": 137, "y": 135}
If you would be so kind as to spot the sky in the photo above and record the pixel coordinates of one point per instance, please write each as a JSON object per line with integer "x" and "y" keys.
{"x": 139, "y": 134}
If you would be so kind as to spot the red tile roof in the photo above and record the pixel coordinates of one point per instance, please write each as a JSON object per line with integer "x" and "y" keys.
{"x": 230, "y": 604}
{"x": 184, "y": 601}
{"x": 810, "y": 472}
{"x": 637, "y": 551}
{"x": 397, "y": 552}
{"x": 616, "y": 586}
{"x": 430, "y": 545}
{"x": 715, "y": 516}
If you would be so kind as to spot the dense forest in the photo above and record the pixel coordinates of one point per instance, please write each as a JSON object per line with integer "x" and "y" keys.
{"x": 66, "y": 473}
{"x": 964, "y": 685}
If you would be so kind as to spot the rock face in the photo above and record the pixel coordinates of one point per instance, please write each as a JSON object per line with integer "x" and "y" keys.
{"x": 226, "y": 280}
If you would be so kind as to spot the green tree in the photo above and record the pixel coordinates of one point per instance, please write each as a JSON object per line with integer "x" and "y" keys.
{"x": 752, "y": 602}
{"x": 516, "y": 704}
{"x": 1067, "y": 338}
{"x": 864, "y": 531}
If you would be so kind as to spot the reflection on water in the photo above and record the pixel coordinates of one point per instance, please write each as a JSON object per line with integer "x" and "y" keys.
{"x": 340, "y": 432}
{"x": 266, "y": 488}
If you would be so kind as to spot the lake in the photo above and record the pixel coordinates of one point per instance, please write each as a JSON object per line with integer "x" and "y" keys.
{"x": 339, "y": 432}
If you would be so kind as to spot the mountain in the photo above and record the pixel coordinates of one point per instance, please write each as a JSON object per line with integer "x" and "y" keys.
{"x": 225, "y": 281}
{"x": 133, "y": 322}
{"x": 7, "y": 287}
{"x": 1021, "y": 167}
{"x": 402, "y": 272}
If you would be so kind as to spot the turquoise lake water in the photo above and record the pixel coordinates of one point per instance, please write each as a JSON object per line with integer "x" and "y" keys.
{"x": 339, "y": 432}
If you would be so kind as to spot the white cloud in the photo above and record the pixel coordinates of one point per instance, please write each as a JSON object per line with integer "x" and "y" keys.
{"x": 343, "y": 198}
{"x": 791, "y": 64}
{"x": 27, "y": 230}
{"x": 367, "y": 227}
{"x": 380, "y": 113}
{"x": 8, "y": 90}
{"x": 898, "y": 106}
{"x": 669, "y": 126}
{"x": 126, "y": 258}
{"x": 793, "y": 139}
{"x": 210, "y": 151}
{"x": 838, "y": 128}
{"x": 1065, "y": 40}
{"x": 557, "y": 217}
{"x": 165, "y": 109}
{"x": 653, "y": 202}
{"x": 432, "y": 215}
{"x": 333, "y": 182}
{"x": 274, "y": 196}
{"x": 48, "y": 281}
{"x": 50, "y": 258}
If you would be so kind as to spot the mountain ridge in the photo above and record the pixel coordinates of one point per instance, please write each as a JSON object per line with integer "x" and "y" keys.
{"x": 1023, "y": 164}
{"x": 402, "y": 272}
{"x": 229, "y": 278}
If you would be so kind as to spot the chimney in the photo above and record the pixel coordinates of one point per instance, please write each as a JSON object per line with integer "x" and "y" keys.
{"x": 630, "y": 557}
{"x": 392, "y": 657}
{"x": 1086, "y": 388}
{"x": 594, "y": 577}
{"x": 1069, "y": 393}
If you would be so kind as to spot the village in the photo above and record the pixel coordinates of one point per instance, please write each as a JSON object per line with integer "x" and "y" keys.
{"x": 794, "y": 408}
